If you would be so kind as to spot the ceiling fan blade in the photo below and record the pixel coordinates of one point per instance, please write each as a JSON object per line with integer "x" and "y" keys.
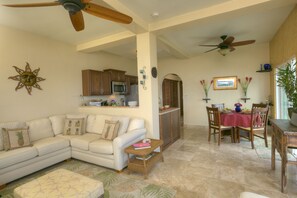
{"x": 211, "y": 50}
{"x": 107, "y": 13}
{"x": 208, "y": 45}
{"x": 231, "y": 48}
{"x": 55, "y": 3}
{"x": 77, "y": 20}
{"x": 228, "y": 40}
{"x": 247, "y": 42}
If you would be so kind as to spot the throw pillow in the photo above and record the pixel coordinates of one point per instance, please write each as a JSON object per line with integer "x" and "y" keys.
{"x": 73, "y": 126}
{"x": 58, "y": 122}
{"x": 110, "y": 130}
{"x": 136, "y": 123}
{"x": 15, "y": 138}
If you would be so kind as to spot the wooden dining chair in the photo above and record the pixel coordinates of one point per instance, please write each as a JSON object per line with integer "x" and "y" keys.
{"x": 221, "y": 106}
{"x": 214, "y": 122}
{"x": 259, "y": 117}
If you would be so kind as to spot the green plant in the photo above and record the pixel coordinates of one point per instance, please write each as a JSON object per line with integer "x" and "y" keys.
{"x": 287, "y": 80}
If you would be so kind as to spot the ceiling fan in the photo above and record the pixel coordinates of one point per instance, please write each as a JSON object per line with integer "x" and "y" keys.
{"x": 75, "y": 8}
{"x": 227, "y": 44}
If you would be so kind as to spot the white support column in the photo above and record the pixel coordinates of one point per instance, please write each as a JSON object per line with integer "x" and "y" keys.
{"x": 148, "y": 92}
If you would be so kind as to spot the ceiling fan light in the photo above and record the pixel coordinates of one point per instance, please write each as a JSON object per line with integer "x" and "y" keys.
{"x": 224, "y": 52}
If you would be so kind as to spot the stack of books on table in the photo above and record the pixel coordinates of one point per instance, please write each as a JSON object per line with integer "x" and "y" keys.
{"x": 141, "y": 145}
{"x": 145, "y": 157}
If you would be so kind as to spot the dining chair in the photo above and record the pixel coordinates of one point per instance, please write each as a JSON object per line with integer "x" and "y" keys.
{"x": 259, "y": 117}
{"x": 221, "y": 106}
{"x": 214, "y": 122}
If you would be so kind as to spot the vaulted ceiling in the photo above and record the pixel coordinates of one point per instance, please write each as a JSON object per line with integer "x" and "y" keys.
{"x": 180, "y": 25}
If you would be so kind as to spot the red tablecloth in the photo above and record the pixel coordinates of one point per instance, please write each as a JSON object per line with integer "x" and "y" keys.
{"x": 236, "y": 119}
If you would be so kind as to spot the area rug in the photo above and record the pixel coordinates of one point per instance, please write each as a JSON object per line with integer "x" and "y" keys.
{"x": 265, "y": 152}
{"x": 116, "y": 185}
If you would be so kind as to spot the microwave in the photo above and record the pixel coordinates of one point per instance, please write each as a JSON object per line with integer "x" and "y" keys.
{"x": 118, "y": 87}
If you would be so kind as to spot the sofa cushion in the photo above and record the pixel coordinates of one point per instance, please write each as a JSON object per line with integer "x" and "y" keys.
{"x": 124, "y": 123}
{"x": 101, "y": 146}
{"x": 73, "y": 126}
{"x": 8, "y": 158}
{"x": 99, "y": 123}
{"x": 90, "y": 122}
{"x": 136, "y": 123}
{"x": 58, "y": 122}
{"x": 79, "y": 116}
{"x": 15, "y": 138}
{"x": 40, "y": 128}
{"x": 82, "y": 141}
{"x": 110, "y": 130}
{"x": 9, "y": 125}
{"x": 51, "y": 144}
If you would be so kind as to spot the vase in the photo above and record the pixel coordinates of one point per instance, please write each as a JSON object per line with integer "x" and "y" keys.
{"x": 237, "y": 109}
{"x": 267, "y": 66}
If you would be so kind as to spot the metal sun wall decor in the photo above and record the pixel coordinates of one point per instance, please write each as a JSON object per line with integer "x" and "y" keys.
{"x": 27, "y": 78}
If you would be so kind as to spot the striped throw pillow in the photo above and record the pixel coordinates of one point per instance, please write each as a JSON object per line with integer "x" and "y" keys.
{"x": 110, "y": 130}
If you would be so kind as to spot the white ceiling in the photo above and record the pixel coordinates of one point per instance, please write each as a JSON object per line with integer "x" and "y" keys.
{"x": 182, "y": 25}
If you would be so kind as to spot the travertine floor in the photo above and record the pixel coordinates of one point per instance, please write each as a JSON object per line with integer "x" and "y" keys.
{"x": 196, "y": 168}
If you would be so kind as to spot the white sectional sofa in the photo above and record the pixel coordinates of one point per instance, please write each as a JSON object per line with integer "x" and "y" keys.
{"x": 50, "y": 146}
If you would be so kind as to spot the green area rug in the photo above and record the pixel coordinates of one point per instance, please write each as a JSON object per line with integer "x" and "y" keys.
{"x": 115, "y": 184}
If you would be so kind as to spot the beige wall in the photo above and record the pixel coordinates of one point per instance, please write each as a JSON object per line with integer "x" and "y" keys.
{"x": 59, "y": 64}
{"x": 245, "y": 61}
{"x": 283, "y": 46}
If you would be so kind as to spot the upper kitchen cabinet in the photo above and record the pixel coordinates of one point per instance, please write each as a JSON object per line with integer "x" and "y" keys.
{"x": 96, "y": 83}
{"x": 130, "y": 80}
{"x": 116, "y": 75}
{"x": 133, "y": 80}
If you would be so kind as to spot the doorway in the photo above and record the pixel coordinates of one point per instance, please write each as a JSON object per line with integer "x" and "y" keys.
{"x": 172, "y": 93}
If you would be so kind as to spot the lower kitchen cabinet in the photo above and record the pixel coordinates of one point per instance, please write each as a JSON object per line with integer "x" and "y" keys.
{"x": 169, "y": 121}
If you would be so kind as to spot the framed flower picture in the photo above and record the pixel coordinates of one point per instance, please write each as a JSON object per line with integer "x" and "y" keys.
{"x": 225, "y": 83}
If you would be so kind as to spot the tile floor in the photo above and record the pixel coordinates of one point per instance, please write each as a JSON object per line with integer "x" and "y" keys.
{"x": 196, "y": 168}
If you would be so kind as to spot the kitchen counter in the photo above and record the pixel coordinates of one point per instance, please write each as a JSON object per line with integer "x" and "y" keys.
{"x": 109, "y": 106}
{"x": 168, "y": 110}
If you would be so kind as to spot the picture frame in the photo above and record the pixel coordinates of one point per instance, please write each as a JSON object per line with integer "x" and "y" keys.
{"x": 225, "y": 83}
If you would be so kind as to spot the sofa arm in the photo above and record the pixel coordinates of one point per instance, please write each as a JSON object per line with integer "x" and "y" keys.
{"x": 122, "y": 142}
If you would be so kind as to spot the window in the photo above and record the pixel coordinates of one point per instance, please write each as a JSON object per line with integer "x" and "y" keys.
{"x": 281, "y": 100}
{"x": 282, "y": 103}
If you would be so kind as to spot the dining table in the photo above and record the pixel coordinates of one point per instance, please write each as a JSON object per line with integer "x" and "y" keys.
{"x": 236, "y": 119}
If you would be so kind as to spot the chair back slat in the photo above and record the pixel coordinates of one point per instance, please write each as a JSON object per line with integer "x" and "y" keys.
{"x": 259, "y": 116}
{"x": 213, "y": 117}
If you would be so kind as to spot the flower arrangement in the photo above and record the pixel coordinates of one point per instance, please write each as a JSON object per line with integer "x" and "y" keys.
{"x": 238, "y": 104}
{"x": 244, "y": 85}
{"x": 113, "y": 103}
{"x": 205, "y": 86}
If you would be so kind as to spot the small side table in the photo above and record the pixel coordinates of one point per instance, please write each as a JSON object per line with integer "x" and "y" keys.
{"x": 142, "y": 165}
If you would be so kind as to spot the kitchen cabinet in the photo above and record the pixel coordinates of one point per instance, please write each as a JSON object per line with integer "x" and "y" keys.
{"x": 116, "y": 75}
{"x": 169, "y": 121}
{"x": 95, "y": 83}
{"x": 133, "y": 79}
{"x": 130, "y": 80}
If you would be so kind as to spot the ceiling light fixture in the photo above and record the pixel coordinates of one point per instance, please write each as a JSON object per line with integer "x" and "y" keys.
{"x": 224, "y": 51}
{"x": 155, "y": 14}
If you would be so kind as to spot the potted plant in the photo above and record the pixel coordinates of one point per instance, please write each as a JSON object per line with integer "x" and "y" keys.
{"x": 287, "y": 80}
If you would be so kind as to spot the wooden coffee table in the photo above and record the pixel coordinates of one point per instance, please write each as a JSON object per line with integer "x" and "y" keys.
{"x": 142, "y": 165}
